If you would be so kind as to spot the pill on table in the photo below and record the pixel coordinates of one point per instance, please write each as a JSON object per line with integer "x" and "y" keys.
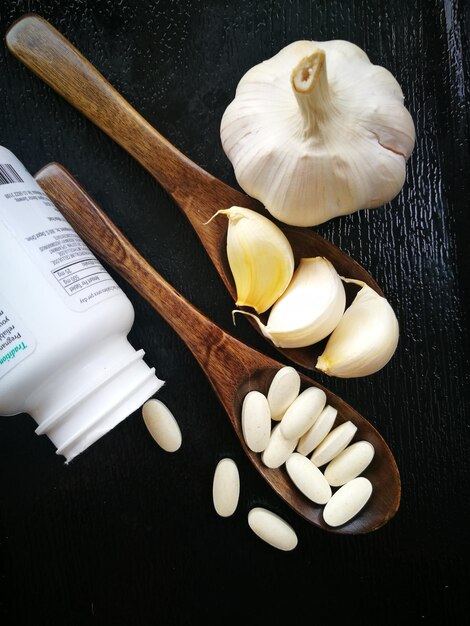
{"x": 303, "y": 412}
{"x": 278, "y": 449}
{"x": 272, "y": 529}
{"x": 334, "y": 443}
{"x": 256, "y": 421}
{"x": 349, "y": 463}
{"x": 226, "y": 487}
{"x": 283, "y": 390}
{"x": 308, "y": 478}
{"x": 316, "y": 433}
{"x": 162, "y": 425}
{"x": 345, "y": 503}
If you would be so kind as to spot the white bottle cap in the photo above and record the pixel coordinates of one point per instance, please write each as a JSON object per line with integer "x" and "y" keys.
{"x": 96, "y": 392}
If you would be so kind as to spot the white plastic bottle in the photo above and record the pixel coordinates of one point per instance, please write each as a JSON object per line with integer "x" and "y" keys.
{"x": 64, "y": 354}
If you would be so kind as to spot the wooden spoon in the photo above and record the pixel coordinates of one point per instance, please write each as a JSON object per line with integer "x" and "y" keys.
{"x": 232, "y": 367}
{"x": 49, "y": 55}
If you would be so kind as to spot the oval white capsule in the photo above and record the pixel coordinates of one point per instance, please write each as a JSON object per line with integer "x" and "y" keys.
{"x": 226, "y": 487}
{"x": 283, "y": 390}
{"x": 162, "y": 425}
{"x": 316, "y": 433}
{"x": 303, "y": 412}
{"x": 345, "y": 503}
{"x": 272, "y": 529}
{"x": 349, "y": 463}
{"x": 278, "y": 449}
{"x": 308, "y": 478}
{"x": 256, "y": 421}
{"x": 334, "y": 443}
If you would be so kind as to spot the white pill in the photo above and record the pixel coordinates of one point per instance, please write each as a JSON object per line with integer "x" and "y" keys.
{"x": 272, "y": 529}
{"x": 303, "y": 412}
{"x": 308, "y": 478}
{"x": 283, "y": 390}
{"x": 256, "y": 421}
{"x": 347, "y": 501}
{"x": 162, "y": 425}
{"x": 349, "y": 463}
{"x": 334, "y": 443}
{"x": 316, "y": 433}
{"x": 278, "y": 449}
{"x": 226, "y": 487}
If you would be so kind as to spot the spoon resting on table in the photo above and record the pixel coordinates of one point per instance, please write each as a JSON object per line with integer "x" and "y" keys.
{"x": 232, "y": 367}
{"x": 45, "y": 51}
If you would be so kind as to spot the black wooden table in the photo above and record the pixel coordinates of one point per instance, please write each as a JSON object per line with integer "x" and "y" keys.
{"x": 127, "y": 534}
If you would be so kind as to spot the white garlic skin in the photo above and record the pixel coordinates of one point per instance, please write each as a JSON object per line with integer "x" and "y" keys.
{"x": 365, "y": 339}
{"x": 309, "y": 157}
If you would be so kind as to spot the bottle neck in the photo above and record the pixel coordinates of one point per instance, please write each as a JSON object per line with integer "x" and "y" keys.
{"x": 93, "y": 394}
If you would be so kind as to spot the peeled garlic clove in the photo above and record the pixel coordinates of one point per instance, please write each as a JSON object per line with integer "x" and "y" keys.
{"x": 260, "y": 258}
{"x": 309, "y": 309}
{"x": 318, "y": 131}
{"x": 365, "y": 338}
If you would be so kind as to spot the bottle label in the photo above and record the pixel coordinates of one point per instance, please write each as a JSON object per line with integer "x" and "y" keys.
{"x": 39, "y": 227}
{"x": 16, "y": 341}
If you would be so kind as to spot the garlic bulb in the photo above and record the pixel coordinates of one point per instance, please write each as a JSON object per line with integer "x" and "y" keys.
{"x": 309, "y": 309}
{"x": 260, "y": 258}
{"x": 317, "y": 131}
{"x": 365, "y": 338}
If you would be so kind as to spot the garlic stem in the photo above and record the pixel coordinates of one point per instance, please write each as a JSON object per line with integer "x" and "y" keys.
{"x": 310, "y": 85}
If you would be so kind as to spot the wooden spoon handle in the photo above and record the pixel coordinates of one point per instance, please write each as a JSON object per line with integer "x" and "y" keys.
{"x": 47, "y": 53}
{"x": 211, "y": 346}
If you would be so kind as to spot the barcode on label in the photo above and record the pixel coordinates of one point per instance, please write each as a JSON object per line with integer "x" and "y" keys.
{"x": 9, "y": 175}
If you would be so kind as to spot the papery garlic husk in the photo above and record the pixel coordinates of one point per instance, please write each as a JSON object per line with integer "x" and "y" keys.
{"x": 364, "y": 340}
{"x": 309, "y": 309}
{"x": 260, "y": 258}
{"x": 317, "y": 131}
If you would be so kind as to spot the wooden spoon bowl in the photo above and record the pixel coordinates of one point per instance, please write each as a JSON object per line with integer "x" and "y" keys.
{"x": 232, "y": 367}
{"x": 198, "y": 194}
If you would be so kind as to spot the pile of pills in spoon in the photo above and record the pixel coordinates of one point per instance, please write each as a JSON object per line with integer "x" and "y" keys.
{"x": 300, "y": 430}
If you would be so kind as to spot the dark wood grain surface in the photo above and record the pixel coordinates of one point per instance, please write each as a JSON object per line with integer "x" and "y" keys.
{"x": 127, "y": 534}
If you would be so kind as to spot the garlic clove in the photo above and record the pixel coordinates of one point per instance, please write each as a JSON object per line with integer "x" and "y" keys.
{"x": 310, "y": 307}
{"x": 260, "y": 258}
{"x": 364, "y": 340}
